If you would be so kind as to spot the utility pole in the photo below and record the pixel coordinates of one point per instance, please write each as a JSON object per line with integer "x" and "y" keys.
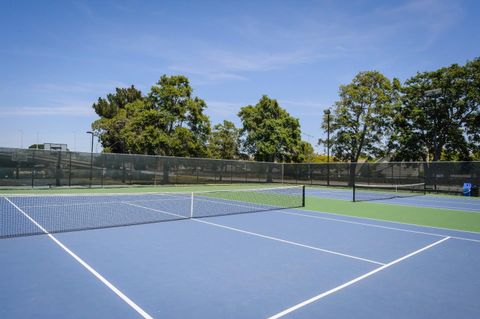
{"x": 434, "y": 93}
{"x": 327, "y": 113}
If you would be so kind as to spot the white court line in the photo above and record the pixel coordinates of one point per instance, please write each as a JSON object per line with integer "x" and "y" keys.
{"x": 364, "y": 224}
{"x": 155, "y": 210}
{"x": 423, "y": 205}
{"x": 353, "y": 281}
{"x": 367, "y": 225}
{"x": 270, "y": 237}
{"x": 414, "y": 200}
{"x": 120, "y": 294}
{"x": 392, "y": 222}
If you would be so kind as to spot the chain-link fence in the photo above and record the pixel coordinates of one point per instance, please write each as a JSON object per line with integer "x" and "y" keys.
{"x": 37, "y": 168}
{"x": 441, "y": 177}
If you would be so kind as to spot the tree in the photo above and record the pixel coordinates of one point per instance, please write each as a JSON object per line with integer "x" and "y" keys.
{"x": 270, "y": 133}
{"x": 305, "y": 153}
{"x": 444, "y": 125}
{"x": 360, "y": 125}
{"x": 168, "y": 121}
{"x": 224, "y": 141}
{"x": 112, "y": 112}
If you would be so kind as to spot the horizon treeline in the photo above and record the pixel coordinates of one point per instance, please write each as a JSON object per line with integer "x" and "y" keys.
{"x": 432, "y": 116}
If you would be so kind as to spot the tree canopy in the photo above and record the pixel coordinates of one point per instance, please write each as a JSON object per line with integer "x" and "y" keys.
{"x": 361, "y": 120}
{"x": 224, "y": 141}
{"x": 439, "y": 117}
{"x": 113, "y": 117}
{"x": 271, "y": 133}
{"x": 433, "y": 115}
{"x": 168, "y": 121}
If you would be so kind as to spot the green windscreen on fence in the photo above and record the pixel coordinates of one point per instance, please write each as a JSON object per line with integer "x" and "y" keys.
{"x": 42, "y": 168}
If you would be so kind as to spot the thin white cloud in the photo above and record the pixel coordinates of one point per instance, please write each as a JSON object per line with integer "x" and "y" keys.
{"x": 427, "y": 18}
{"x": 206, "y": 73}
{"x": 100, "y": 88}
{"x": 83, "y": 110}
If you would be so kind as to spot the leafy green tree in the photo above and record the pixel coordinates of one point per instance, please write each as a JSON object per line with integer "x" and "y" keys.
{"x": 224, "y": 141}
{"x": 270, "y": 133}
{"x": 112, "y": 112}
{"x": 168, "y": 121}
{"x": 305, "y": 153}
{"x": 439, "y": 118}
{"x": 360, "y": 123}
{"x": 183, "y": 122}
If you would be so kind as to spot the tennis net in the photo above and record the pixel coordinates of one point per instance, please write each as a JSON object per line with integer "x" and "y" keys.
{"x": 371, "y": 192}
{"x": 24, "y": 215}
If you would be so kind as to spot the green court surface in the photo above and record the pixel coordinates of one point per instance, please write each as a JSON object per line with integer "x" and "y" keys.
{"x": 424, "y": 216}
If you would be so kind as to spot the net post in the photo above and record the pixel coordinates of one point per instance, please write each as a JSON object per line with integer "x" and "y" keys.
{"x": 33, "y": 168}
{"x": 303, "y": 195}
{"x": 352, "y": 180}
{"x": 191, "y": 205}
{"x": 353, "y": 192}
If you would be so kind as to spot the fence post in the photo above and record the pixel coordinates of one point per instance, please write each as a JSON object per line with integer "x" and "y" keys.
{"x": 196, "y": 170}
{"x": 102, "y": 158}
{"x": 283, "y": 172}
{"x": 328, "y": 174}
{"x": 57, "y": 169}
{"x": 70, "y": 170}
{"x": 33, "y": 169}
{"x": 246, "y": 172}
{"x": 310, "y": 173}
{"x": 303, "y": 195}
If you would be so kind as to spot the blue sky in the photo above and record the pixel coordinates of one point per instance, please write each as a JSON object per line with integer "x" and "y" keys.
{"x": 58, "y": 57}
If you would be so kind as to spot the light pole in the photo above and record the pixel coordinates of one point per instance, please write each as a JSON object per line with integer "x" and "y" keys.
{"x": 91, "y": 157}
{"x": 327, "y": 113}
{"x": 435, "y": 93}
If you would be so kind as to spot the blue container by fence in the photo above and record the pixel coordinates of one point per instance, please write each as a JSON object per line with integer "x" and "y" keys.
{"x": 467, "y": 189}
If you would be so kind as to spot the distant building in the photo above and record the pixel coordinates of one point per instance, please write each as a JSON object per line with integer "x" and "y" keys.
{"x": 55, "y": 147}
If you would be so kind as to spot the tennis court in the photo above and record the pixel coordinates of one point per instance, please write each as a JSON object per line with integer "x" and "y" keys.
{"x": 245, "y": 254}
{"x": 415, "y": 198}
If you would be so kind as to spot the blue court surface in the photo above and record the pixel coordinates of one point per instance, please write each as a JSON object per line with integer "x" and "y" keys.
{"x": 470, "y": 204}
{"x": 287, "y": 263}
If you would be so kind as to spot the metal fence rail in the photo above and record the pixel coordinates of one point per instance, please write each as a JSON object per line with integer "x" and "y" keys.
{"x": 40, "y": 168}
